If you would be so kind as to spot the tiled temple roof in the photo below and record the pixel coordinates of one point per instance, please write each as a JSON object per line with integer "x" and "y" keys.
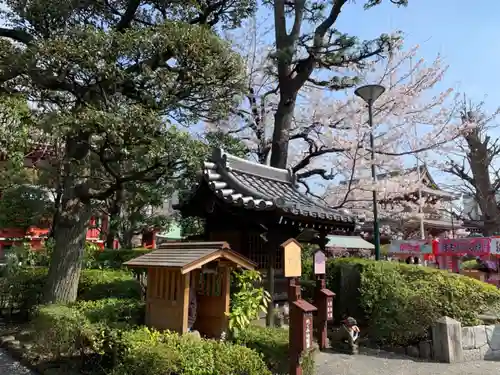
{"x": 260, "y": 187}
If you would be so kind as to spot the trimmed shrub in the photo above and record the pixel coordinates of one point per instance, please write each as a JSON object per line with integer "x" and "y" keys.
{"x": 272, "y": 343}
{"x": 398, "y": 303}
{"x": 99, "y": 284}
{"x": 23, "y": 289}
{"x": 153, "y": 353}
{"x": 109, "y": 258}
{"x": 62, "y": 331}
{"x": 112, "y": 310}
{"x": 470, "y": 265}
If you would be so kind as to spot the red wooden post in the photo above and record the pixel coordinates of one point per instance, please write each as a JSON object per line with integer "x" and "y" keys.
{"x": 323, "y": 299}
{"x": 300, "y": 326}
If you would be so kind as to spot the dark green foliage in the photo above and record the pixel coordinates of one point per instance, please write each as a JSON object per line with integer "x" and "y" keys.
{"x": 99, "y": 284}
{"x": 398, "y": 303}
{"x": 64, "y": 330}
{"x": 159, "y": 354}
{"x": 22, "y": 290}
{"x": 115, "y": 258}
{"x": 271, "y": 342}
{"x": 112, "y": 310}
{"x": 23, "y": 206}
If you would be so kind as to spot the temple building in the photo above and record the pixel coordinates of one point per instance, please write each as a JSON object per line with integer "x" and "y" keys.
{"x": 255, "y": 208}
{"x": 38, "y": 157}
{"x": 399, "y": 212}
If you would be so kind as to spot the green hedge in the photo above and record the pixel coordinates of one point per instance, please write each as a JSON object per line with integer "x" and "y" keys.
{"x": 153, "y": 353}
{"x": 112, "y": 310}
{"x": 115, "y": 258}
{"x": 398, "y": 303}
{"x": 272, "y": 343}
{"x": 98, "y": 284}
{"x": 73, "y": 331}
{"x": 23, "y": 290}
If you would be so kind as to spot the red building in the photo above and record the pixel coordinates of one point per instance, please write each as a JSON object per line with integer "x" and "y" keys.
{"x": 10, "y": 237}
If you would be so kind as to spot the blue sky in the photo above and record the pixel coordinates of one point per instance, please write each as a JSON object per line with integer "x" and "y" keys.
{"x": 464, "y": 34}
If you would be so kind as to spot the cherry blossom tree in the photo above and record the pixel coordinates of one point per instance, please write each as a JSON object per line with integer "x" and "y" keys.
{"x": 329, "y": 134}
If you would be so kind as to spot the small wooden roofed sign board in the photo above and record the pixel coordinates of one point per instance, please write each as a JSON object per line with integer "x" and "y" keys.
{"x": 187, "y": 256}
{"x": 176, "y": 279}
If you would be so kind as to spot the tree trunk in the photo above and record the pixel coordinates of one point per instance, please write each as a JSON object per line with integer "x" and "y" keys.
{"x": 114, "y": 217}
{"x": 281, "y": 134}
{"x": 57, "y": 204}
{"x": 71, "y": 226}
{"x": 485, "y": 192}
{"x": 66, "y": 262}
{"x": 126, "y": 239}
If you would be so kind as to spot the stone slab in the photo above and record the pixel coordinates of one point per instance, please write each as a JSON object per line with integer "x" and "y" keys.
{"x": 480, "y": 336}
{"x": 425, "y": 349}
{"x": 493, "y": 335}
{"x": 468, "y": 338}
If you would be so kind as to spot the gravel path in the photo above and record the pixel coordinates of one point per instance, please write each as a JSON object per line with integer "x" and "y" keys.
{"x": 382, "y": 363}
{"x": 8, "y": 366}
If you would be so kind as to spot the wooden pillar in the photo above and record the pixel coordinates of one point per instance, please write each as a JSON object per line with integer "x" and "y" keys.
{"x": 272, "y": 249}
{"x": 185, "y": 300}
{"x": 226, "y": 295}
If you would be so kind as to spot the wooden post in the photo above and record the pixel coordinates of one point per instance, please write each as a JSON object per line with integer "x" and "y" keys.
{"x": 185, "y": 300}
{"x": 320, "y": 299}
{"x": 295, "y": 324}
{"x": 270, "y": 282}
{"x": 322, "y": 321}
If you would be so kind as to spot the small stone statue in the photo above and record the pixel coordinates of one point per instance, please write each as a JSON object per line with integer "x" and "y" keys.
{"x": 344, "y": 338}
{"x": 350, "y": 334}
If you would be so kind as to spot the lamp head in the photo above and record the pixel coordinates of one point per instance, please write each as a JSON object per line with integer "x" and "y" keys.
{"x": 369, "y": 93}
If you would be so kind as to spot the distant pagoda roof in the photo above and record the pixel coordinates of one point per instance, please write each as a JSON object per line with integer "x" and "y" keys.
{"x": 429, "y": 188}
{"x": 256, "y": 187}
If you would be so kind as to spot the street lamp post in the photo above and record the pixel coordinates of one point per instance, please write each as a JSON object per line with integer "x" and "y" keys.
{"x": 370, "y": 93}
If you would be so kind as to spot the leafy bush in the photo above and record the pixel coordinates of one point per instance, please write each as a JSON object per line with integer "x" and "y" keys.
{"x": 99, "y": 284}
{"x": 153, "y": 353}
{"x": 90, "y": 255}
{"x": 271, "y": 342}
{"x": 109, "y": 258}
{"x": 400, "y": 302}
{"x": 62, "y": 331}
{"x": 247, "y": 301}
{"x": 23, "y": 289}
{"x": 112, "y": 310}
{"x": 470, "y": 265}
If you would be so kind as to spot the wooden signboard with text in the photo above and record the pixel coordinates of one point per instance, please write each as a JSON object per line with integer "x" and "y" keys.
{"x": 319, "y": 263}
{"x": 292, "y": 258}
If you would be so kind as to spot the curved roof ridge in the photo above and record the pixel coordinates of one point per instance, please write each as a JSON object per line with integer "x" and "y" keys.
{"x": 232, "y": 162}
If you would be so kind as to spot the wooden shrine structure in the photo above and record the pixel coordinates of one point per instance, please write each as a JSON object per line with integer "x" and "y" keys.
{"x": 176, "y": 268}
{"x": 435, "y": 223}
{"x": 255, "y": 208}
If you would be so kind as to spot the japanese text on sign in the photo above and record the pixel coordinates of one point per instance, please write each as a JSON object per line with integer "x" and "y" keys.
{"x": 308, "y": 333}
{"x": 465, "y": 246}
{"x": 329, "y": 309}
{"x": 405, "y": 247}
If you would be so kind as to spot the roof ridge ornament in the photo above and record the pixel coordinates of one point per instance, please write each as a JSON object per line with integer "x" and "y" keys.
{"x": 292, "y": 176}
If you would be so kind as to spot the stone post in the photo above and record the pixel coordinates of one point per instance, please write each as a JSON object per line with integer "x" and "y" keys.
{"x": 447, "y": 340}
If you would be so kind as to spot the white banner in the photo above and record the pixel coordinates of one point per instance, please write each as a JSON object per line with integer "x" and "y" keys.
{"x": 495, "y": 246}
